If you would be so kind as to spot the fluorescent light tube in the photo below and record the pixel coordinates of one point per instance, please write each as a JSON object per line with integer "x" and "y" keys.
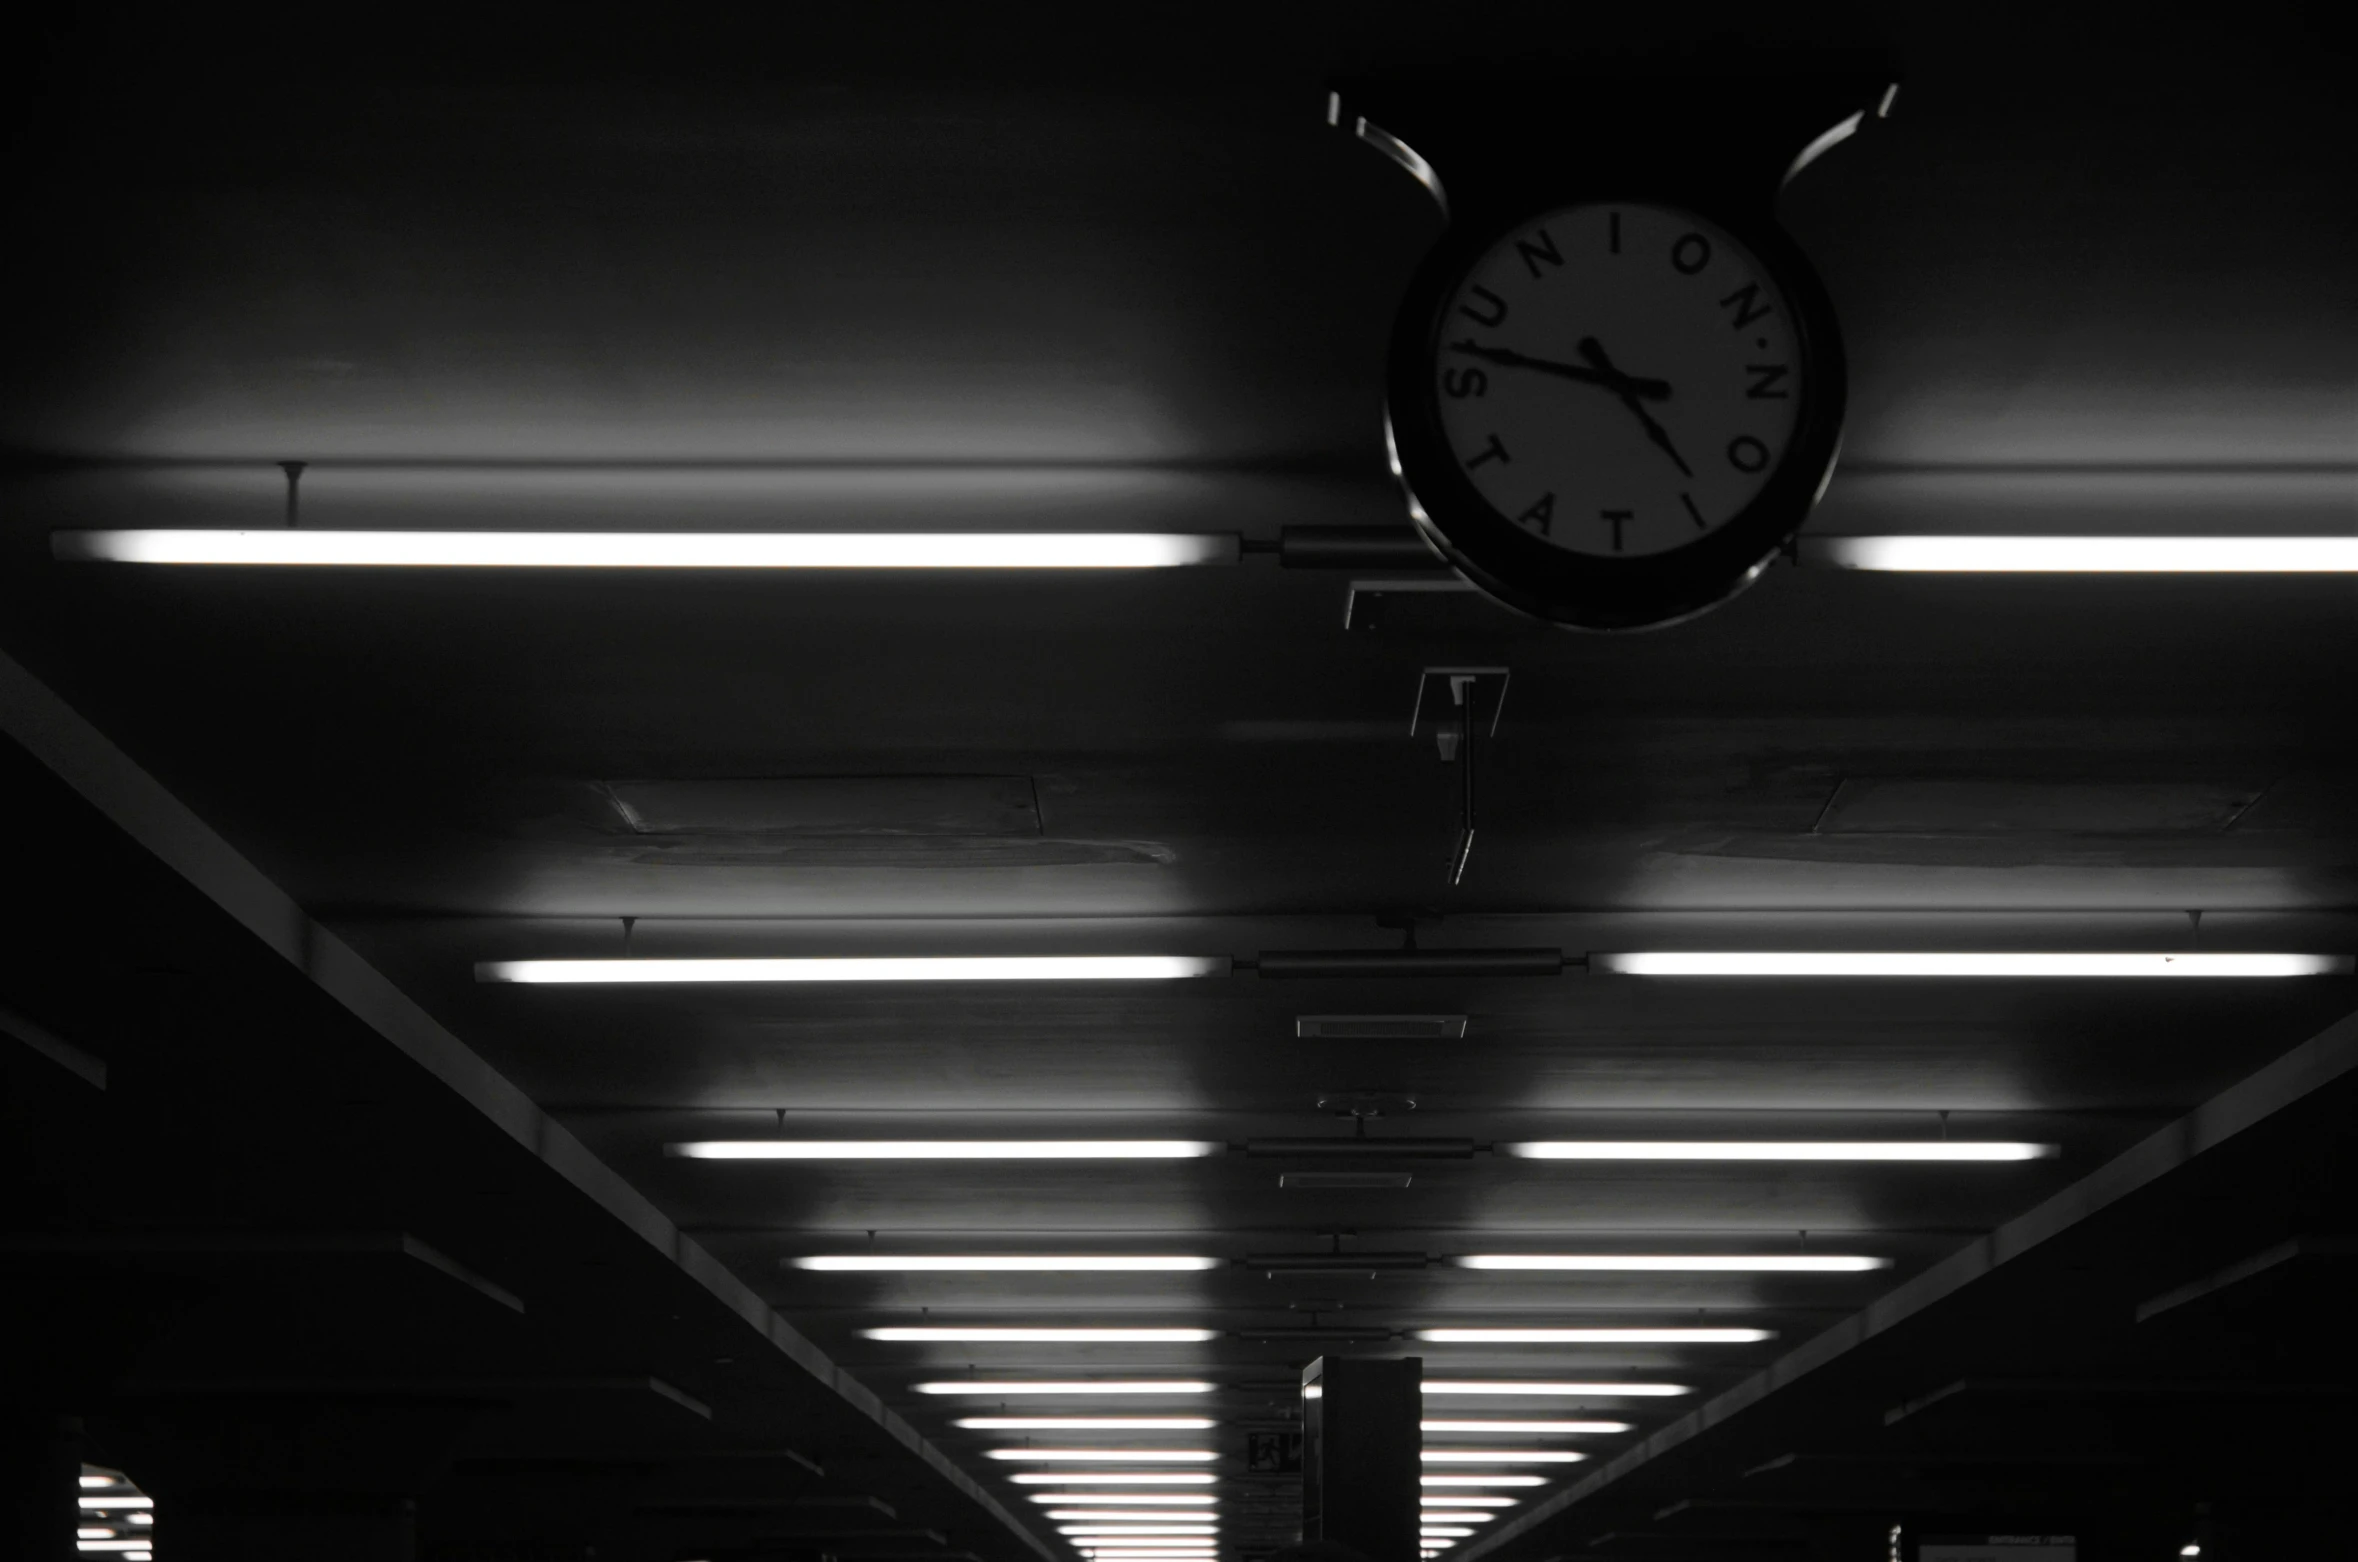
{"x": 1671, "y": 1336}
{"x": 1778, "y": 1150}
{"x": 1140, "y": 1386}
{"x": 1950, "y": 963}
{"x": 1500, "y": 1456}
{"x": 1040, "y": 1336}
{"x": 895, "y": 968}
{"x": 2088, "y": 555}
{"x": 1446, "y": 1517}
{"x": 944, "y": 1149}
{"x": 115, "y": 1502}
{"x": 1027, "y": 1263}
{"x": 1112, "y": 1478}
{"x": 1111, "y": 1531}
{"x": 1526, "y": 1426}
{"x": 1102, "y": 1455}
{"x": 651, "y": 550}
{"x": 1084, "y": 1423}
{"x": 1442, "y": 1532}
{"x": 1481, "y": 1480}
{"x": 1678, "y": 1263}
{"x": 1470, "y": 1387}
{"x": 1470, "y": 1502}
{"x": 1204, "y": 1499}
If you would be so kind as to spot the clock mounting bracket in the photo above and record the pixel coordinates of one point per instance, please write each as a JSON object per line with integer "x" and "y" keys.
{"x": 1724, "y": 138}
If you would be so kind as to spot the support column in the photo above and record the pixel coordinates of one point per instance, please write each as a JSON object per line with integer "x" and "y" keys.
{"x": 1361, "y": 1444}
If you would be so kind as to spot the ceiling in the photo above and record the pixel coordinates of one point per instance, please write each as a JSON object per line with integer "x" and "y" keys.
{"x": 905, "y": 270}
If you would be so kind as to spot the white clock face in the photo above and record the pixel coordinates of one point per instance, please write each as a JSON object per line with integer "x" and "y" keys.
{"x": 1618, "y": 380}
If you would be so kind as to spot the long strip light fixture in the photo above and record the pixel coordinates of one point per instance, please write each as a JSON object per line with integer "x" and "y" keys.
{"x": 1191, "y": 1149}
{"x": 865, "y": 968}
{"x": 1102, "y": 1455}
{"x": 1469, "y": 1388}
{"x": 1114, "y": 1478}
{"x": 1677, "y": 1263}
{"x": 1494, "y": 1427}
{"x": 1665, "y": 1336}
{"x": 1963, "y": 963}
{"x": 1778, "y": 1150}
{"x": 1032, "y": 1336}
{"x": 1085, "y": 1423}
{"x": 944, "y": 1149}
{"x": 1481, "y": 1480}
{"x": 1116, "y": 1498}
{"x": 986, "y": 1388}
{"x": 2051, "y": 555}
{"x": 649, "y": 550}
{"x": 1500, "y": 1456}
{"x": 1027, "y": 1263}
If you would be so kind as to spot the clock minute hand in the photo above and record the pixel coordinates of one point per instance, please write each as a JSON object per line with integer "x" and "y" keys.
{"x": 1611, "y": 379}
{"x": 1594, "y": 352}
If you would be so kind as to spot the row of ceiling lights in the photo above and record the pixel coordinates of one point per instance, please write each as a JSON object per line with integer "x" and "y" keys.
{"x": 1853, "y": 964}
{"x": 1110, "y": 551}
{"x": 1148, "y": 1521}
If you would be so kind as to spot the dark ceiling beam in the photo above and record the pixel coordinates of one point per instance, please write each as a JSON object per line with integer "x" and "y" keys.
{"x": 58, "y": 1050}
{"x": 291, "y": 1244}
{"x": 2321, "y": 1060}
{"x": 410, "y": 1388}
{"x": 2247, "y": 1269}
{"x": 85, "y": 759}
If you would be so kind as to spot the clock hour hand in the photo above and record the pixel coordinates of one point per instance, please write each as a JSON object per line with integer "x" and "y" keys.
{"x": 1611, "y": 379}
{"x": 1594, "y": 351}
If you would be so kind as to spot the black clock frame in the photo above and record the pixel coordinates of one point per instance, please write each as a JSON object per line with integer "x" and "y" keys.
{"x": 1593, "y": 591}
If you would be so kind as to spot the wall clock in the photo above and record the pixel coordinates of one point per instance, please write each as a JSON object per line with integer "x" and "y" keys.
{"x": 1615, "y": 388}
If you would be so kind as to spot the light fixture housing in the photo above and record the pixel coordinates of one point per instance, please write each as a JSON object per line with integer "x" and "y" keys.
{"x": 943, "y": 1149}
{"x": 1143, "y": 1387}
{"x": 1004, "y": 1263}
{"x": 2049, "y": 555}
{"x": 1957, "y": 964}
{"x": 1022, "y": 1336}
{"x": 1659, "y": 1336}
{"x": 291, "y": 546}
{"x": 893, "y": 968}
{"x": 1677, "y": 1263}
{"x": 1942, "y": 1150}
